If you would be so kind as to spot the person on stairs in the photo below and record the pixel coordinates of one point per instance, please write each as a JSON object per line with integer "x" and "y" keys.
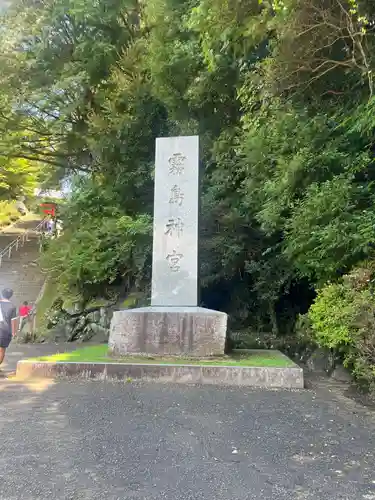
{"x": 24, "y": 314}
{"x": 7, "y": 312}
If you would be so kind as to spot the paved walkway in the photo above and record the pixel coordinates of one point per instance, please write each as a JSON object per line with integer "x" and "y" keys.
{"x": 21, "y": 272}
{"x": 10, "y": 233}
{"x": 16, "y": 352}
{"x": 74, "y": 440}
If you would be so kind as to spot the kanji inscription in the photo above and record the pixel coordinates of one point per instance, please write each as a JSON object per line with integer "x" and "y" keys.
{"x": 174, "y": 227}
{"x": 174, "y": 260}
{"x": 175, "y": 238}
{"x": 176, "y": 195}
{"x": 176, "y": 164}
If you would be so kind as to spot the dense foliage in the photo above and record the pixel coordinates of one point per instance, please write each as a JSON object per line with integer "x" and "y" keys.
{"x": 100, "y": 244}
{"x": 8, "y": 213}
{"x": 342, "y": 319}
{"x": 281, "y": 93}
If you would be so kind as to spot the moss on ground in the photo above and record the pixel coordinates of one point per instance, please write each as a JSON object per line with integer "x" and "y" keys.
{"x": 99, "y": 353}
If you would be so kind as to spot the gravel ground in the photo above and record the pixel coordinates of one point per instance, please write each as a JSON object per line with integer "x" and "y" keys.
{"x": 92, "y": 440}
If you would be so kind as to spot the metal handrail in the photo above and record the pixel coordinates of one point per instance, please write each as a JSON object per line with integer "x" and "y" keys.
{"x": 19, "y": 240}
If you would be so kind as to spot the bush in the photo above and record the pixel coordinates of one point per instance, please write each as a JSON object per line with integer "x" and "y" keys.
{"x": 8, "y": 213}
{"x": 85, "y": 261}
{"x": 342, "y": 318}
{"x": 332, "y": 316}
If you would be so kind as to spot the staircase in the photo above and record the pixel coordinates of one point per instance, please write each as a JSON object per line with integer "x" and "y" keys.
{"x": 20, "y": 271}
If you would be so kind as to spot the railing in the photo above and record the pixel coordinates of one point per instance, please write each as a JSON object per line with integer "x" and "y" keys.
{"x": 19, "y": 241}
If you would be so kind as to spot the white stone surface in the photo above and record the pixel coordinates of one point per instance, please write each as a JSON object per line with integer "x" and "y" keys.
{"x": 175, "y": 239}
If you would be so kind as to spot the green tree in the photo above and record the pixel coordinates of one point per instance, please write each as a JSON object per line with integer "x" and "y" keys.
{"x": 52, "y": 73}
{"x": 100, "y": 245}
{"x": 280, "y": 93}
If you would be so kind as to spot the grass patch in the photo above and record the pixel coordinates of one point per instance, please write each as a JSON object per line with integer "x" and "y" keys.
{"x": 98, "y": 353}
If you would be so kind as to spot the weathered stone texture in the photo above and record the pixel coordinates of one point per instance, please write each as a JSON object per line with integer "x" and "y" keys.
{"x": 193, "y": 331}
{"x": 267, "y": 376}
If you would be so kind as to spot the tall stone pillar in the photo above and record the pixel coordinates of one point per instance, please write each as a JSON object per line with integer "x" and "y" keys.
{"x": 174, "y": 324}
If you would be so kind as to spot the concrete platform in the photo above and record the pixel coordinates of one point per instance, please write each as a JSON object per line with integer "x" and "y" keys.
{"x": 266, "y": 377}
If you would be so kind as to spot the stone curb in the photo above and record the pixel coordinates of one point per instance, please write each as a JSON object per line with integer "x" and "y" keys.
{"x": 266, "y": 377}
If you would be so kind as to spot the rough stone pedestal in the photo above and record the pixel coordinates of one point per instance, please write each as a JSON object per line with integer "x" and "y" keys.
{"x": 192, "y": 331}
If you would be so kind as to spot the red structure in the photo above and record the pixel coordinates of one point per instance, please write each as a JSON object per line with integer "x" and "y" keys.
{"x": 49, "y": 208}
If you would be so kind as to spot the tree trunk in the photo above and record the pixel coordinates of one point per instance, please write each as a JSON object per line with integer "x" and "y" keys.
{"x": 273, "y": 318}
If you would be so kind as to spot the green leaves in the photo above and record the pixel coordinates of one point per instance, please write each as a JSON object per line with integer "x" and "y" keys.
{"x": 19, "y": 177}
{"x": 52, "y": 72}
{"x": 96, "y": 251}
{"x": 280, "y": 94}
{"x": 328, "y": 231}
{"x": 332, "y": 315}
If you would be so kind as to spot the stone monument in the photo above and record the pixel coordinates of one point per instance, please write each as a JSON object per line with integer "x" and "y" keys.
{"x": 174, "y": 324}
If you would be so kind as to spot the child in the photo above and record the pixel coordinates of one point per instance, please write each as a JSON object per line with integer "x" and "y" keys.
{"x": 25, "y": 309}
{"x": 24, "y": 312}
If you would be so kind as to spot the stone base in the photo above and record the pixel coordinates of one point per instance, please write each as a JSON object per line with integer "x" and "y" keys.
{"x": 192, "y": 331}
{"x": 256, "y": 376}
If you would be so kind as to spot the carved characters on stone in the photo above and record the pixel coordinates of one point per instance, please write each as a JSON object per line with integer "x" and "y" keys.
{"x": 176, "y": 195}
{"x": 174, "y": 260}
{"x": 176, "y": 164}
{"x": 174, "y": 227}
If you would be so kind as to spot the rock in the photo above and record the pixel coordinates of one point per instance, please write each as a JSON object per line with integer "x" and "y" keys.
{"x": 95, "y": 333}
{"x": 98, "y": 303}
{"x": 100, "y": 334}
{"x": 341, "y": 374}
{"x": 105, "y": 317}
{"x": 98, "y": 329}
{"x": 68, "y": 326}
{"x": 81, "y": 322}
{"x": 168, "y": 330}
{"x": 93, "y": 317}
{"x": 72, "y": 308}
{"x": 321, "y": 360}
{"x": 61, "y": 332}
{"x": 85, "y": 334}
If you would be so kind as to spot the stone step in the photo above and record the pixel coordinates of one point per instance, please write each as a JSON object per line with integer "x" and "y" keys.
{"x": 21, "y": 271}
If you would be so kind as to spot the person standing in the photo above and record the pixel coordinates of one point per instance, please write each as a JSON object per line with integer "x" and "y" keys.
{"x": 7, "y": 312}
{"x": 24, "y": 314}
{"x": 25, "y": 309}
